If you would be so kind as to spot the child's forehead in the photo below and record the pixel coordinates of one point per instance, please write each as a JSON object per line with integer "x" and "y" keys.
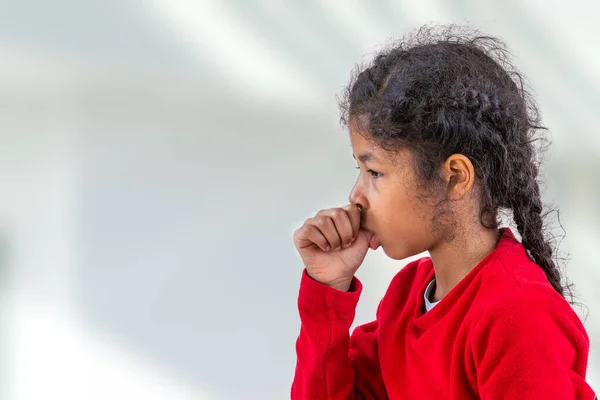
{"x": 362, "y": 141}
{"x": 365, "y": 149}
{"x": 375, "y": 155}
{"x": 364, "y": 146}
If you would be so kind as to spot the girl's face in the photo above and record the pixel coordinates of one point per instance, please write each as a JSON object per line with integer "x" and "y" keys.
{"x": 393, "y": 206}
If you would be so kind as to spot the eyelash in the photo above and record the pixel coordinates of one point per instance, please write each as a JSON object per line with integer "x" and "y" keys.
{"x": 374, "y": 174}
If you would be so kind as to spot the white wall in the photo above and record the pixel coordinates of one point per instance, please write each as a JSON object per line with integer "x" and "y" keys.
{"x": 156, "y": 156}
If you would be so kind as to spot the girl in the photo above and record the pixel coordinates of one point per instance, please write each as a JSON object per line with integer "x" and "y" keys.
{"x": 443, "y": 133}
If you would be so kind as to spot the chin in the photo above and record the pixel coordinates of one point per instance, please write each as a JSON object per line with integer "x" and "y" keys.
{"x": 397, "y": 254}
{"x": 394, "y": 254}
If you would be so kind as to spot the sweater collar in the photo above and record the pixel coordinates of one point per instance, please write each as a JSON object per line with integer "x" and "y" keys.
{"x": 425, "y": 320}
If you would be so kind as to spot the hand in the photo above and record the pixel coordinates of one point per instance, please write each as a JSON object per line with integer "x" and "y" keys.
{"x": 333, "y": 246}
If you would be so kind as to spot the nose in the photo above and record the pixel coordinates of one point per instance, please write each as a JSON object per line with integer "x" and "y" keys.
{"x": 357, "y": 197}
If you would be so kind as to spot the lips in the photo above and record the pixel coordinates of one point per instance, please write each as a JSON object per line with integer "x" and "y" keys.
{"x": 374, "y": 242}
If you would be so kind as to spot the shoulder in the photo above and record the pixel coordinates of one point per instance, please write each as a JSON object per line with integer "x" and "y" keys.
{"x": 512, "y": 294}
{"x": 526, "y": 310}
{"x": 510, "y": 277}
{"x": 527, "y": 303}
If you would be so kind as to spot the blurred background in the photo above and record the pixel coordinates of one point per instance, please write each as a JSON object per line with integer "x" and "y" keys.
{"x": 156, "y": 156}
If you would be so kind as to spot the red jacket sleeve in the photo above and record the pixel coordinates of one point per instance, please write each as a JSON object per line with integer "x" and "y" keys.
{"x": 330, "y": 364}
{"x": 531, "y": 347}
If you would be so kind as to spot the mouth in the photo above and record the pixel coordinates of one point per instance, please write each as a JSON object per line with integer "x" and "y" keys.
{"x": 374, "y": 240}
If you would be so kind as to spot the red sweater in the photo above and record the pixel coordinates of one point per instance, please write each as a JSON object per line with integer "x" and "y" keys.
{"x": 502, "y": 333}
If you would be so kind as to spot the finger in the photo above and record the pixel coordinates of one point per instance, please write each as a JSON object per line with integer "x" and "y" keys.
{"x": 354, "y": 215}
{"x": 327, "y": 227}
{"x": 308, "y": 235}
{"x": 314, "y": 235}
{"x": 342, "y": 224}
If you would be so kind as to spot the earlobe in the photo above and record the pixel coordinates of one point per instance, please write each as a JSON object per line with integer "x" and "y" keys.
{"x": 460, "y": 175}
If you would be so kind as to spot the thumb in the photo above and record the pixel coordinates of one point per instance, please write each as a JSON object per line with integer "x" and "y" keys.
{"x": 364, "y": 235}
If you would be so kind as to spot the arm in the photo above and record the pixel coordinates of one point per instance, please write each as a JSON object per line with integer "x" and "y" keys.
{"x": 532, "y": 347}
{"x": 332, "y": 365}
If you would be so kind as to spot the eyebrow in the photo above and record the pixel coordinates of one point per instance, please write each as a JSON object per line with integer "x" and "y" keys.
{"x": 364, "y": 157}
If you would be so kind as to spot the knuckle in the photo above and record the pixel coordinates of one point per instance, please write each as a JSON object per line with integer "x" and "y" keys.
{"x": 322, "y": 221}
{"x": 338, "y": 213}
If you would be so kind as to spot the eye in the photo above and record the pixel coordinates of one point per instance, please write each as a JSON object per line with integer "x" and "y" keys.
{"x": 374, "y": 174}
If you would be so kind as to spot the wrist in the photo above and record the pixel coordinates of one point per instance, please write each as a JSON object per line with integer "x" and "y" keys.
{"x": 342, "y": 285}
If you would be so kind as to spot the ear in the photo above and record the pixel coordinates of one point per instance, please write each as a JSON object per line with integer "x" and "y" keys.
{"x": 459, "y": 174}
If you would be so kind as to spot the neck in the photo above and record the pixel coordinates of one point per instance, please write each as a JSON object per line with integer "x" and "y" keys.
{"x": 452, "y": 261}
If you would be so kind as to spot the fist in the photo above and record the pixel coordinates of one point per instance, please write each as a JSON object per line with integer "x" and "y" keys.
{"x": 332, "y": 245}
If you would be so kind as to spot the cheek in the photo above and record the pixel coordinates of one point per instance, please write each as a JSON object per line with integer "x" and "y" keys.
{"x": 404, "y": 213}
{"x": 407, "y": 228}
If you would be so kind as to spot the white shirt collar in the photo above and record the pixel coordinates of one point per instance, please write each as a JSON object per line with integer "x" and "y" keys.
{"x": 428, "y": 304}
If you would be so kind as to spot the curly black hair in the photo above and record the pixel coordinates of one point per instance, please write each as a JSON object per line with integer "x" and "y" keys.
{"x": 442, "y": 90}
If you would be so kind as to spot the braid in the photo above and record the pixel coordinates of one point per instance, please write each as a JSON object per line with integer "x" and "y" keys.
{"x": 527, "y": 212}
